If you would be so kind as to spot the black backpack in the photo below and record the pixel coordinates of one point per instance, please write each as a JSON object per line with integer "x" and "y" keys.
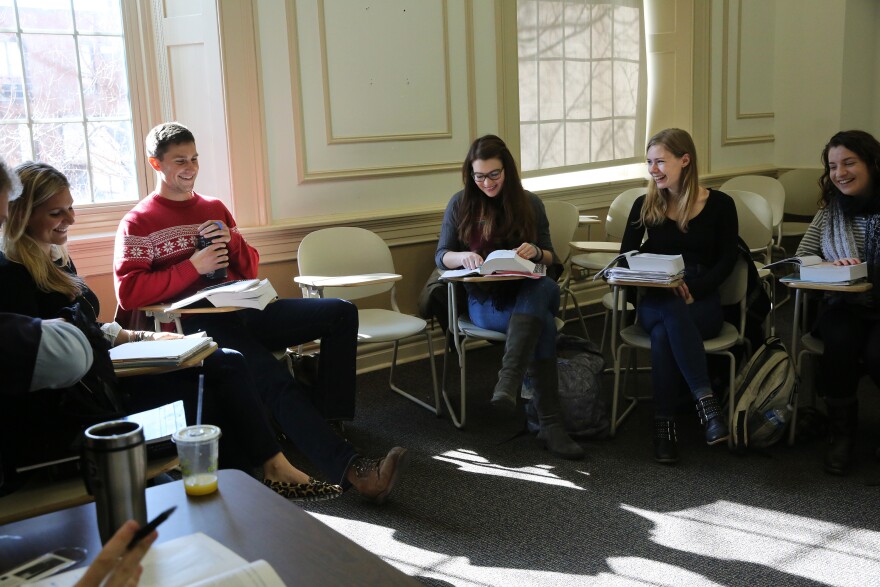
{"x": 584, "y": 412}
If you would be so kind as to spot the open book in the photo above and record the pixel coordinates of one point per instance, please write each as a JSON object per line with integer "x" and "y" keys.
{"x": 195, "y": 560}
{"x": 247, "y": 293}
{"x": 158, "y": 353}
{"x": 501, "y": 262}
{"x": 644, "y": 267}
{"x": 803, "y": 261}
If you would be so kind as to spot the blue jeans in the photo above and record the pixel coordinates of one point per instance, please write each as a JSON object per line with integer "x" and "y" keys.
{"x": 302, "y": 417}
{"x": 535, "y": 297}
{"x": 677, "y": 332}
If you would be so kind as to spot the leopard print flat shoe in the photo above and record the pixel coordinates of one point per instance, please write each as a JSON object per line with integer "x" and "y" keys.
{"x": 314, "y": 490}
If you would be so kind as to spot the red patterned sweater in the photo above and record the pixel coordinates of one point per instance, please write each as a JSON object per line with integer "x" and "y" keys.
{"x": 155, "y": 241}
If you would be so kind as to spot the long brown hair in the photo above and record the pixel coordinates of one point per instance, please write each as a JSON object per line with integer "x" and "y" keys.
{"x": 506, "y": 218}
{"x": 679, "y": 143}
{"x": 40, "y": 182}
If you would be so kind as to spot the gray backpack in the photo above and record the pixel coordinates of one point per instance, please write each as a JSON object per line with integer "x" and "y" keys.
{"x": 764, "y": 390}
{"x": 584, "y": 412}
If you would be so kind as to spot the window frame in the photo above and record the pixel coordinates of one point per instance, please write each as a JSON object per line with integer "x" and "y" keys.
{"x": 506, "y": 19}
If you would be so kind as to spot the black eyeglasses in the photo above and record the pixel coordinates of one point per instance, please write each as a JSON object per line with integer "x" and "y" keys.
{"x": 493, "y": 175}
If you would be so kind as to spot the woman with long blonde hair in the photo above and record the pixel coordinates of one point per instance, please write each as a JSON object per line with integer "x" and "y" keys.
{"x": 682, "y": 217}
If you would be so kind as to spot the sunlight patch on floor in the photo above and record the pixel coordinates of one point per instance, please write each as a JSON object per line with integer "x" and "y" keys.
{"x": 459, "y": 571}
{"x": 821, "y": 551}
{"x": 470, "y": 462}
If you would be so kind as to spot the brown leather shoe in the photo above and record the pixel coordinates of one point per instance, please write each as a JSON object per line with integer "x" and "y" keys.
{"x": 375, "y": 478}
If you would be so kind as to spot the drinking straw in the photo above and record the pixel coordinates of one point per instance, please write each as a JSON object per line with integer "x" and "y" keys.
{"x": 201, "y": 394}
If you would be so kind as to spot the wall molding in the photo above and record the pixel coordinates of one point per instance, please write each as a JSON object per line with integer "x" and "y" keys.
{"x": 307, "y": 175}
{"x": 726, "y": 138}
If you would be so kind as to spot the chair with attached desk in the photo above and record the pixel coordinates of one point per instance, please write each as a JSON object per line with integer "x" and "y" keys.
{"x": 755, "y": 219}
{"x": 463, "y": 332}
{"x": 598, "y": 256}
{"x": 802, "y": 195}
{"x": 806, "y": 342}
{"x": 564, "y": 221}
{"x": 732, "y": 290}
{"x": 362, "y": 268}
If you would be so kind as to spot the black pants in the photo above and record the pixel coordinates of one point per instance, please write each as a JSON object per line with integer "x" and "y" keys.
{"x": 851, "y": 334}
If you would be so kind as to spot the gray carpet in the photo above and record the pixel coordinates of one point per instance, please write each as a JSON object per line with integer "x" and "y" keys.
{"x": 475, "y": 508}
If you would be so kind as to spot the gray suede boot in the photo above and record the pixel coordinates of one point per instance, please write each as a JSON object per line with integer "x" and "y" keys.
{"x": 522, "y": 336}
{"x": 553, "y": 434}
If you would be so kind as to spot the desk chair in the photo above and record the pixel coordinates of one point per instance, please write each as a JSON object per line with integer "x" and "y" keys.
{"x": 615, "y": 225}
{"x": 802, "y": 195}
{"x": 807, "y": 343}
{"x": 733, "y": 291}
{"x": 354, "y": 263}
{"x": 772, "y": 190}
{"x": 755, "y": 218}
{"x": 564, "y": 221}
{"x": 463, "y": 332}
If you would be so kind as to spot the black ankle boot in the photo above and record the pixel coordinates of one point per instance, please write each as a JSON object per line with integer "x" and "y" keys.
{"x": 713, "y": 419}
{"x": 843, "y": 416}
{"x": 665, "y": 442}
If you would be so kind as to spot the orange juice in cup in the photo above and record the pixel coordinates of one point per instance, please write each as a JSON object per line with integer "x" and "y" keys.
{"x": 198, "y": 450}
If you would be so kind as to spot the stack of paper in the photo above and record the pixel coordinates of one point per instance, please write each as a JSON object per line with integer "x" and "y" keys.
{"x": 158, "y": 353}
{"x": 645, "y": 268}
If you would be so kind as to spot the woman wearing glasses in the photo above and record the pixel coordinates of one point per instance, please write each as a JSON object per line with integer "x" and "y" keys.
{"x": 494, "y": 212}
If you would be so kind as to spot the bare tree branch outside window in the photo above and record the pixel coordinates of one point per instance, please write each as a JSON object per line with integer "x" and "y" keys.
{"x": 64, "y": 96}
{"x": 580, "y": 95}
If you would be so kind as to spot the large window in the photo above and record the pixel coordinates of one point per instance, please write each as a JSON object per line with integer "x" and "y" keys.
{"x": 64, "y": 94}
{"x": 582, "y": 88}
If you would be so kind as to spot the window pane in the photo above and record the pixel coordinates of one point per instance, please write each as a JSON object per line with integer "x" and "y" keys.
{"x": 98, "y": 16}
{"x": 551, "y": 86}
{"x": 602, "y": 139}
{"x": 550, "y": 29}
{"x": 7, "y": 15}
{"x": 62, "y": 145}
{"x": 51, "y": 74}
{"x": 105, "y": 84}
{"x": 45, "y": 15}
{"x": 12, "y": 103}
{"x": 580, "y": 66}
{"x": 112, "y": 152}
{"x": 15, "y": 144}
{"x": 528, "y": 136}
{"x": 552, "y": 141}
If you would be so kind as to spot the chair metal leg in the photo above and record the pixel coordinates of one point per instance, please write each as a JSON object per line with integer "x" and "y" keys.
{"x": 633, "y": 400}
{"x": 457, "y": 420}
{"x": 436, "y": 407}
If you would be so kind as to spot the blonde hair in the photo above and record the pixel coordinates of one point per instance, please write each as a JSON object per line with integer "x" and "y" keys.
{"x": 40, "y": 182}
{"x": 657, "y": 201}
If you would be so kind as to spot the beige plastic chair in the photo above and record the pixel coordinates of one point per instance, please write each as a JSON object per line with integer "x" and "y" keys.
{"x": 802, "y": 195}
{"x": 772, "y": 190}
{"x": 733, "y": 291}
{"x": 464, "y": 332}
{"x": 354, "y": 263}
{"x": 755, "y": 219}
{"x": 615, "y": 225}
{"x": 564, "y": 219}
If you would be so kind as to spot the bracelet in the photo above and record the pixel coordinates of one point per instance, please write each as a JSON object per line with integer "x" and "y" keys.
{"x": 538, "y": 256}
{"x": 136, "y": 336}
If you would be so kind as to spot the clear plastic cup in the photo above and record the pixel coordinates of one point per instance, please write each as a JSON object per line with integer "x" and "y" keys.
{"x": 198, "y": 448}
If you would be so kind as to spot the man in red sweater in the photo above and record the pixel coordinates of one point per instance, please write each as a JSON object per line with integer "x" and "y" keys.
{"x": 156, "y": 259}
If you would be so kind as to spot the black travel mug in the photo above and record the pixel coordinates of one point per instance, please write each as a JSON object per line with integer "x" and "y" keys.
{"x": 217, "y": 273}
